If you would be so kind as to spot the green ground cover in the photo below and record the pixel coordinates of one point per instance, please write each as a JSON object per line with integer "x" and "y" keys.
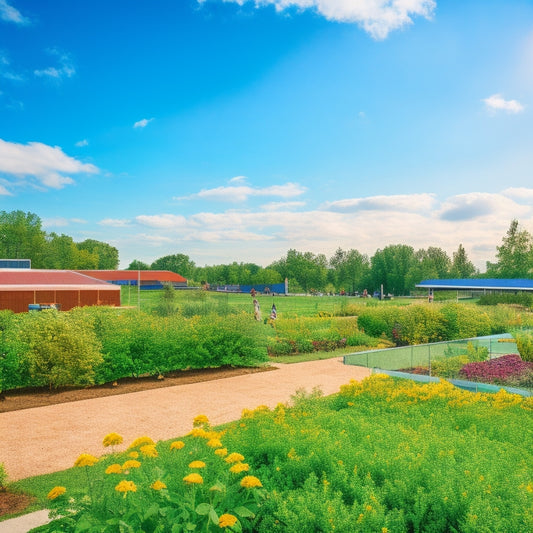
{"x": 383, "y": 455}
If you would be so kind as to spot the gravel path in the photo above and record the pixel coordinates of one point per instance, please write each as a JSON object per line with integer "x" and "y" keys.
{"x": 48, "y": 439}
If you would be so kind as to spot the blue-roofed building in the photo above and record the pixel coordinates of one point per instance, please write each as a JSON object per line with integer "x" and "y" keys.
{"x": 477, "y": 287}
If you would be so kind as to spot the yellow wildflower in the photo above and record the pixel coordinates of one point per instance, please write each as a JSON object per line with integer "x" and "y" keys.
{"x": 140, "y": 441}
{"x": 126, "y": 486}
{"x": 158, "y": 485}
{"x": 194, "y": 479}
{"x": 237, "y": 468}
{"x": 200, "y": 420}
{"x": 133, "y": 455}
{"x": 214, "y": 443}
{"x": 197, "y": 464}
{"x": 149, "y": 450}
{"x": 234, "y": 458}
{"x": 113, "y": 469}
{"x": 131, "y": 463}
{"x": 221, "y": 452}
{"x": 177, "y": 445}
{"x": 250, "y": 482}
{"x": 227, "y": 520}
{"x": 56, "y": 492}
{"x": 112, "y": 439}
{"x": 198, "y": 432}
{"x": 86, "y": 459}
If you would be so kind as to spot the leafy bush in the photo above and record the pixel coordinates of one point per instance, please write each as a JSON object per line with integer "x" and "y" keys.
{"x": 524, "y": 343}
{"x": 60, "y": 349}
{"x": 522, "y": 298}
{"x": 448, "y": 367}
{"x": 3, "y": 476}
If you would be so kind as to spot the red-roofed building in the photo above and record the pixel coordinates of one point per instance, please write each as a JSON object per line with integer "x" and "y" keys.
{"x": 150, "y": 279}
{"x": 20, "y": 288}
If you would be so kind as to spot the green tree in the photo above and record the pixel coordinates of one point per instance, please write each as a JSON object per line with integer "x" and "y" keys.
{"x": 138, "y": 265}
{"x": 462, "y": 267}
{"x": 390, "y": 267}
{"x": 21, "y": 237}
{"x": 60, "y": 251}
{"x": 432, "y": 263}
{"x": 107, "y": 254}
{"x": 514, "y": 256}
{"x": 178, "y": 263}
{"x": 351, "y": 270}
{"x": 308, "y": 270}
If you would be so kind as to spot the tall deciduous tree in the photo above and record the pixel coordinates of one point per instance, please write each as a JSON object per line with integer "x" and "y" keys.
{"x": 138, "y": 265}
{"x": 107, "y": 254}
{"x": 21, "y": 237}
{"x": 351, "y": 269}
{"x": 462, "y": 267}
{"x": 514, "y": 256}
{"x": 178, "y": 263}
{"x": 390, "y": 267}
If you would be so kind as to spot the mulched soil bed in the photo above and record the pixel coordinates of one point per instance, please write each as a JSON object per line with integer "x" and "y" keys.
{"x": 39, "y": 397}
{"x": 13, "y": 503}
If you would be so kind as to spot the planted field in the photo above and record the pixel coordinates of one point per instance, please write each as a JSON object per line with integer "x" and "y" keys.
{"x": 383, "y": 455}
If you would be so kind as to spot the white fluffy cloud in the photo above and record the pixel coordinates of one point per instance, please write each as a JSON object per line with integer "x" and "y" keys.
{"x": 399, "y": 202}
{"x": 11, "y": 14}
{"x": 142, "y": 123}
{"x": 377, "y": 17}
{"x": 478, "y": 221}
{"x": 49, "y": 166}
{"x": 496, "y": 102}
{"x": 115, "y": 222}
{"x": 241, "y": 193}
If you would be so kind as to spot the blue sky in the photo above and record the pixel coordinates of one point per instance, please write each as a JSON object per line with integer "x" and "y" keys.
{"x": 237, "y": 129}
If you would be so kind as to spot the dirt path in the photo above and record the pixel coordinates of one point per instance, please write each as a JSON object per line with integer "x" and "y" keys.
{"x": 47, "y": 439}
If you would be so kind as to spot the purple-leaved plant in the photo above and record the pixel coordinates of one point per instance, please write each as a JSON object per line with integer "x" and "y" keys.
{"x": 496, "y": 370}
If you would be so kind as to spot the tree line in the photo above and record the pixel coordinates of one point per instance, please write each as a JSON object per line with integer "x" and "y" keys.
{"x": 22, "y": 237}
{"x": 398, "y": 267}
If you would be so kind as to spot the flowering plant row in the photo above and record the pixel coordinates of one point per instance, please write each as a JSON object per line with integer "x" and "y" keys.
{"x": 183, "y": 485}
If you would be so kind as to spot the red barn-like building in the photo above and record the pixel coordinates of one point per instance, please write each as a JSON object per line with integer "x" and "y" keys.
{"x": 150, "y": 279}
{"x": 21, "y": 287}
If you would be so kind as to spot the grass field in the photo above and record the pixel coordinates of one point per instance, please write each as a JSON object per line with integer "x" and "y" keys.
{"x": 290, "y": 306}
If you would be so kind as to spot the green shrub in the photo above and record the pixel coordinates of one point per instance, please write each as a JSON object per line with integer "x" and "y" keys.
{"x": 448, "y": 367}
{"x": 524, "y": 343}
{"x": 3, "y": 476}
{"x": 60, "y": 349}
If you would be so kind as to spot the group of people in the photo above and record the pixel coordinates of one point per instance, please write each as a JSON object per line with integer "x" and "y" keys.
{"x": 257, "y": 308}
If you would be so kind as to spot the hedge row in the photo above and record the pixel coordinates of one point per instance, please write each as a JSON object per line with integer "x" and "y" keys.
{"x": 98, "y": 345}
{"x": 423, "y": 323}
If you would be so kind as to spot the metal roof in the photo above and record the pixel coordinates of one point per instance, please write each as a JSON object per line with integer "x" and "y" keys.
{"x": 478, "y": 284}
{"x": 28, "y": 279}
{"x": 133, "y": 275}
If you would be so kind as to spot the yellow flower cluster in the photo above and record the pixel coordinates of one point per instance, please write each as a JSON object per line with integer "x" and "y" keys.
{"x": 227, "y": 520}
{"x": 140, "y": 441}
{"x": 197, "y": 464}
{"x": 250, "y": 482}
{"x": 56, "y": 492}
{"x": 126, "y": 486}
{"x": 193, "y": 479}
{"x": 234, "y": 458}
{"x": 149, "y": 450}
{"x": 200, "y": 420}
{"x": 131, "y": 463}
{"x": 177, "y": 445}
{"x": 112, "y": 439}
{"x": 86, "y": 459}
{"x": 237, "y": 468}
{"x": 158, "y": 485}
{"x": 113, "y": 469}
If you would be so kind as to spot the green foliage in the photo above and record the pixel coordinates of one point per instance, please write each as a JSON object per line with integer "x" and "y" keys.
{"x": 391, "y": 455}
{"x": 3, "y": 476}
{"x": 522, "y": 298}
{"x": 524, "y": 343}
{"x": 176, "y": 487}
{"x": 60, "y": 348}
{"x": 448, "y": 367}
